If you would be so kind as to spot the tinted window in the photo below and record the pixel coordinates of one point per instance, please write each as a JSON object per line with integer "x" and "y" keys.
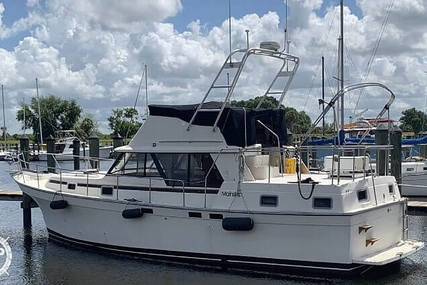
{"x": 191, "y": 169}
{"x": 269, "y": 201}
{"x": 322, "y": 203}
{"x": 362, "y": 195}
{"x": 137, "y": 164}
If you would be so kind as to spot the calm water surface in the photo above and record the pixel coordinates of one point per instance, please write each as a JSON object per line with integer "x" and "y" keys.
{"x": 39, "y": 261}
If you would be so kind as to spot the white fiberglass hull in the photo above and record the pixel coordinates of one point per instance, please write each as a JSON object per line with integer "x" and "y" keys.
{"x": 278, "y": 241}
{"x": 414, "y": 185}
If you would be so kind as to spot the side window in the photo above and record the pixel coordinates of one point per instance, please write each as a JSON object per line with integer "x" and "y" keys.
{"x": 136, "y": 164}
{"x": 190, "y": 168}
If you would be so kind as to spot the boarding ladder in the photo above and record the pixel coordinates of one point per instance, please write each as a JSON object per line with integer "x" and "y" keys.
{"x": 285, "y": 74}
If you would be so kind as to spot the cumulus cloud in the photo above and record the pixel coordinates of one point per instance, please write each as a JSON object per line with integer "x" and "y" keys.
{"x": 94, "y": 52}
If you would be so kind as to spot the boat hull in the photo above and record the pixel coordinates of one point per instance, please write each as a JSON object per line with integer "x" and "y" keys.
{"x": 280, "y": 243}
{"x": 414, "y": 185}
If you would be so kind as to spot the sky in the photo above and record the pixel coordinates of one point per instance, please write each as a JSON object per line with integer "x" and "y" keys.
{"x": 95, "y": 51}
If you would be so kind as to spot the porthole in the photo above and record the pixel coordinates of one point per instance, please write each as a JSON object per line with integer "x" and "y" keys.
{"x": 268, "y": 201}
{"x": 362, "y": 195}
{"x": 194, "y": 214}
{"x": 322, "y": 203}
{"x": 107, "y": 190}
{"x": 215, "y": 216}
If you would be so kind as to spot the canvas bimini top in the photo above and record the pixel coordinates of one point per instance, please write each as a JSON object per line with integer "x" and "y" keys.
{"x": 240, "y": 126}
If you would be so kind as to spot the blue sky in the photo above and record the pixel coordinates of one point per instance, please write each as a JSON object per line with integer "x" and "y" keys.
{"x": 210, "y": 13}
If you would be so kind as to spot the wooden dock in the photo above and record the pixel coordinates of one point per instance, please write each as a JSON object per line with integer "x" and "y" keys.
{"x": 10, "y": 195}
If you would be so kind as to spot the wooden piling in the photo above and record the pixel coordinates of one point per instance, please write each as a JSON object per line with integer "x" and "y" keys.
{"x": 396, "y": 154}
{"x": 26, "y": 210}
{"x": 117, "y": 142}
{"x": 50, "y": 141}
{"x": 94, "y": 151}
{"x": 24, "y": 145}
{"x": 381, "y": 138}
{"x": 76, "y": 153}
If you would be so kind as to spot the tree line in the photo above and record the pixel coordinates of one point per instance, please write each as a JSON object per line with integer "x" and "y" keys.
{"x": 64, "y": 114}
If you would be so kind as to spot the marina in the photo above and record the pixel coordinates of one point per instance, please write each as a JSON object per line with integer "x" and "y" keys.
{"x": 239, "y": 166}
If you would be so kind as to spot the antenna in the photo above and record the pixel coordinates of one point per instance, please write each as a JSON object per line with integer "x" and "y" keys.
{"x": 229, "y": 26}
{"x": 247, "y": 38}
{"x": 40, "y": 116}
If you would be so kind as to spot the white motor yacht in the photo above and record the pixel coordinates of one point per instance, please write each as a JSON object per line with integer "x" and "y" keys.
{"x": 210, "y": 184}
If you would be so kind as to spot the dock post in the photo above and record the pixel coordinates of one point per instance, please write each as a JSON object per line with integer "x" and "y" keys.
{"x": 24, "y": 144}
{"x": 76, "y": 153}
{"x": 117, "y": 142}
{"x": 423, "y": 150}
{"x": 26, "y": 210}
{"x": 94, "y": 151}
{"x": 396, "y": 154}
{"x": 381, "y": 138}
{"x": 50, "y": 141}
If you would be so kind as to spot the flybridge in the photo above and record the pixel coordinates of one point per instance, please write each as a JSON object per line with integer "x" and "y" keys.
{"x": 239, "y": 126}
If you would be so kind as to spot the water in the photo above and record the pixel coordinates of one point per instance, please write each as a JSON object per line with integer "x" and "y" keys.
{"x": 39, "y": 261}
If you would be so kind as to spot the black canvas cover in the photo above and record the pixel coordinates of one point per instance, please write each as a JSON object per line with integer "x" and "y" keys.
{"x": 232, "y": 122}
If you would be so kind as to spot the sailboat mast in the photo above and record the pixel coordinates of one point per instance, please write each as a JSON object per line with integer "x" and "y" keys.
{"x": 40, "y": 116}
{"x": 341, "y": 60}
{"x": 146, "y": 90}
{"x": 4, "y": 117}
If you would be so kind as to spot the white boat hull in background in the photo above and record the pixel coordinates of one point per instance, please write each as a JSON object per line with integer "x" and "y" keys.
{"x": 104, "y": 152}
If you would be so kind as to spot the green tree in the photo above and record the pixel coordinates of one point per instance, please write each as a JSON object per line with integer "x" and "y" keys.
{"x": 413, "y": 120}
{"x": 86, "y": 126}
{"x": 56, "y": 114}
{"x": 297, "y": 122}
{"x": 124, "y": 122}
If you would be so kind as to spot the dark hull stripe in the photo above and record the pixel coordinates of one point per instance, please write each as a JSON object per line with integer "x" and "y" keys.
{"x": 232, "y": 261}
{"x": 153, "y": 189}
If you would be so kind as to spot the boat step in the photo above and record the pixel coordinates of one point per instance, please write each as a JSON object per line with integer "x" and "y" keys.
{"x": 365, "y": 228}
{"x": 371, "y": 241}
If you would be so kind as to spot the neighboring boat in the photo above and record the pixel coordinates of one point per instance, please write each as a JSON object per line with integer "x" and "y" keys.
{"x": 64, "y": 148}
{"x": 206, "y": 184}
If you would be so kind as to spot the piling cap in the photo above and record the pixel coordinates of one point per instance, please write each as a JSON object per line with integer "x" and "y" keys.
{"x": 93, "y": 136}
{"x": 76, "y": 140}
{"x": 117, "y": 136}
{"x": 50, "y": 138}
{"x": 24, "y": 138}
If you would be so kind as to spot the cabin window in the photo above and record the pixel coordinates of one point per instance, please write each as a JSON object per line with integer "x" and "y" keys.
{"x": 362, "y": 195}
{"x": 410, "y": 169}
{"x": 107, "y": 190}
{"x": 322, "y": 203}
{"x": 191, "y": 169}
{"x": 215, "y": 216}
{"x": 268, "y": 201}
{"x": 194, "y": 214}
{"x": 71, "y": 186}
{"x": 135, "y": 164}
{"x": 390, "y": 189}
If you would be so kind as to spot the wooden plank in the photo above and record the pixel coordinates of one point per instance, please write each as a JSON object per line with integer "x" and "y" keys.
{"x": 10, "y": 195}
{"x": 417, "y": 208}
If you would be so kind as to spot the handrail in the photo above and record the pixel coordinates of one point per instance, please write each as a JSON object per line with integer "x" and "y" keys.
{"x": 342, "y": 93}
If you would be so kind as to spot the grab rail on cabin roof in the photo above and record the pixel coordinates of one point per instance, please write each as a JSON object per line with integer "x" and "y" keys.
{"x": 228, "y": 64}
